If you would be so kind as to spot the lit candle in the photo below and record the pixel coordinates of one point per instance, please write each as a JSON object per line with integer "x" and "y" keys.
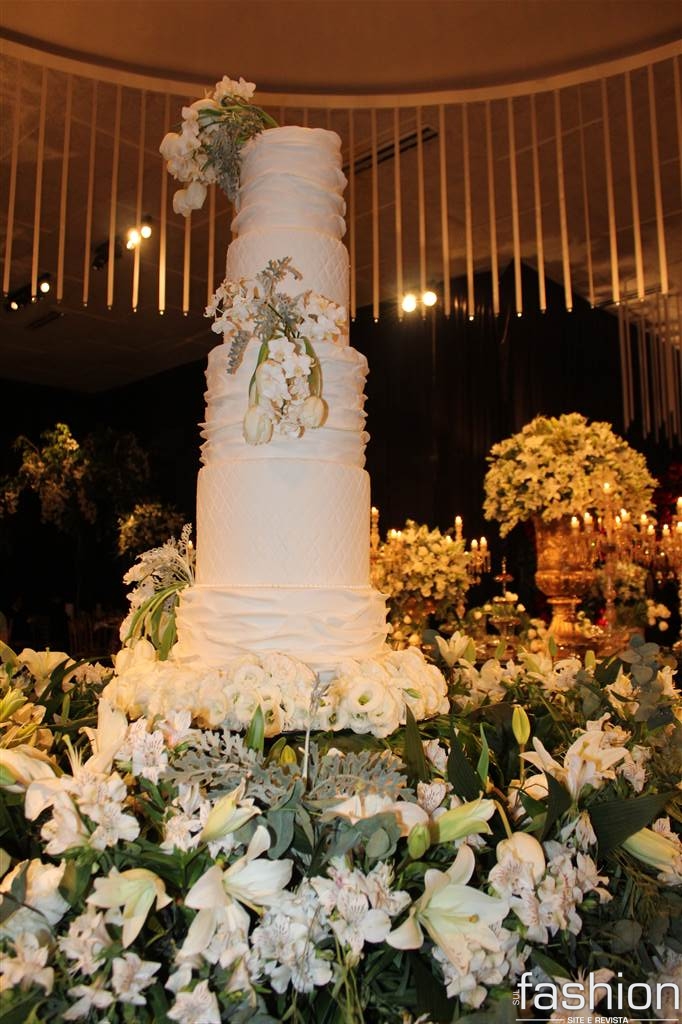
{"x": 666, "y": 531}
{"x": 589, "y": 522}
{"x": 607, "y": 488}
{"x": 575, "y": 523}
{"x": 643, "y": 519}
{"x": 474, "y": 545}
{"x": 458, "y": 527}
{"x": 679, "y": 506}
{"x": 484, "y": 544}
{"x": 650, "y": 530}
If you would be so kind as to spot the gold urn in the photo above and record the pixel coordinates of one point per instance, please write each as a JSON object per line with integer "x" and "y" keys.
{"x": 564, "y": 572}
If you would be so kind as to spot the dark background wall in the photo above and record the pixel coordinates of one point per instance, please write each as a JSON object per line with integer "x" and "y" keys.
{"x": 439, "y": 394}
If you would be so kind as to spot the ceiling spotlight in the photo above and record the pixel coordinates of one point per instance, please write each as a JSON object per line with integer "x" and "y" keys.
{"x": 14, "y": 305}
{"x": 134, "y": 237}
{"x": 429, "y": 298}
{"x": 100, "y": 254}
{"x": 130, "y": 244}
{"x": 45, "y": 286}
{"x": 409, "y": 302}
{"x": 146, "y": 228}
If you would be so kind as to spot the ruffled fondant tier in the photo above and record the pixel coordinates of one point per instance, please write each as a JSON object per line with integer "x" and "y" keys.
{"x": 321, "y": 627}
{"x": 341, "y": 438}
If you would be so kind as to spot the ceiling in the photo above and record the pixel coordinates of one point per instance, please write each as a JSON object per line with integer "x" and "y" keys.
{"x": 347, "y": 46}
{"x": 323, "y": 50}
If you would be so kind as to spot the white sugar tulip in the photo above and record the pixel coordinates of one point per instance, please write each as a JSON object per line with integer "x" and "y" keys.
{"x": 257, "y": 426}
{"x": 313, "y": 412}
{"x": 191, "y": 198}
{"x": 135, "y": 890}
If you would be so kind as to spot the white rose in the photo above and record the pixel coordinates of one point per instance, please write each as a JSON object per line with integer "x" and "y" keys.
{"x": 314, "y": 412}
{"x": 191, "y": 198}
{"x": 257, "y": 428}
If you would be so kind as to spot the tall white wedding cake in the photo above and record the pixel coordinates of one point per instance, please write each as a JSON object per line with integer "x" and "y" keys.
{"x": 283, "y": 527}
{"x": 281, "y": 614}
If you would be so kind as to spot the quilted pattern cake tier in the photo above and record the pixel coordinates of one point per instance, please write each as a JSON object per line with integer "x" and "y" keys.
{"x": 283, "y": 522}
{"x": 323, "y": 261}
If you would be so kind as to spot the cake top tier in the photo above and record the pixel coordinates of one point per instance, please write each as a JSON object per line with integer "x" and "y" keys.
{"x": 292, "y": 177}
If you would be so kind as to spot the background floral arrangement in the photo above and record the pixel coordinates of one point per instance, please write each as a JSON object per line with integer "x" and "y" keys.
{"x": 149, "y": 868}
{"x": 423, "y": 573}
{"x": 285, "y": 392}
{"x": 557, "y": 466}
{"x": 207, "y": 148}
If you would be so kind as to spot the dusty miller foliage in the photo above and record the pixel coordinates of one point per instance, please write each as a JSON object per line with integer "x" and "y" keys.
{"x": 235, "y": 127}
{"x": 220, "y": 760}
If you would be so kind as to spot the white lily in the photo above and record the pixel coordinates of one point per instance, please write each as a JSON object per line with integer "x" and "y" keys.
{"x": 659, "y": 851}
{"x": 365, "y": 805}
{"x": 251, "y": 880}
{"x": 41, "y": 665}
{"x": 464, "y": 820}
{"x": 587, "y": 762}
{"x": 107, "y": 739}
{"x": 450, "y": 908}
{"x": 22, "y": 765}
{"x": 134, "y": 890}
{"x": 228, "y": 815}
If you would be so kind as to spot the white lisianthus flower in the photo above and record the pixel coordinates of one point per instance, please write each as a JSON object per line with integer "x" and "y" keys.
{"x": 313, "y": 412}
{"x": 134, "y": 892}
{"x": 191, "y": 198}
{"x": 257, "y": 426}
{"x": 449, "y": 909}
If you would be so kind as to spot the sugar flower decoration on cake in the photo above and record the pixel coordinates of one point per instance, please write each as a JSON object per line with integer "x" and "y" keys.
{"x": 558, "y": 466}
{"x": 207, "y": 148}
{"x": 285, "y": 391}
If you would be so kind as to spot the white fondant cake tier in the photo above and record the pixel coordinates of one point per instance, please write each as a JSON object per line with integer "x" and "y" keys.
{"x": 341, "y": 438}
{"x": 283, "y": 522}
{"x": 319, "y": 626}
{"x": 323, "y": 261}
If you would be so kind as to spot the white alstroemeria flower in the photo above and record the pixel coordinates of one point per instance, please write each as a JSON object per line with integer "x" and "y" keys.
{"x": 27, "y": 966}
{"x": 41, "y": 907}
{"x": 228, "y": 815}
{"x": 85, "y": 942}
{"x": 130, "y": 976}
{"x": 449, "y": 908}
{"x": 198, "y": 1005}
{"x": 134, "y": 891}
{"x": 356, "y": 923}
{"x": 587, "y": 762}
{"x": 22, "y": 765}
{"x": 579, "y": 987}
{"x": 41, "y": 665}
{"x": 88, "y": 997}
{"x": 251, "y": 880}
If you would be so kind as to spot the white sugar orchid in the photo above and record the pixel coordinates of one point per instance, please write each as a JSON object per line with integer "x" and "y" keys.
{"x": 450, "y": 908}
{"x": 133, "y": 892}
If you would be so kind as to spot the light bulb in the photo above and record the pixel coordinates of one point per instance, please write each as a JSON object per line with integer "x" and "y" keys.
{"x": 409, "y": 302}
{"x": 44, "y": 287}
{"x": 146, "y": 230}
{"x": 14, "y": 305}
{"x": 429, "y": 298}
{"x": 130, "y": 244}
{"x": 133, "y": 237}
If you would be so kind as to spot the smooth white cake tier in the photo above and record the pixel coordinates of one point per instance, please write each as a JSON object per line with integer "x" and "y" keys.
{"x": 340, "y": 439}
{"x": 323, "y": 261}
{"x": 282, "y": 522}
{"x": 322, "y": 626}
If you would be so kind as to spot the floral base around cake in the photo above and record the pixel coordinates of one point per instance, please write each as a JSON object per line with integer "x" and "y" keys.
{"x": 364, "y": 696}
